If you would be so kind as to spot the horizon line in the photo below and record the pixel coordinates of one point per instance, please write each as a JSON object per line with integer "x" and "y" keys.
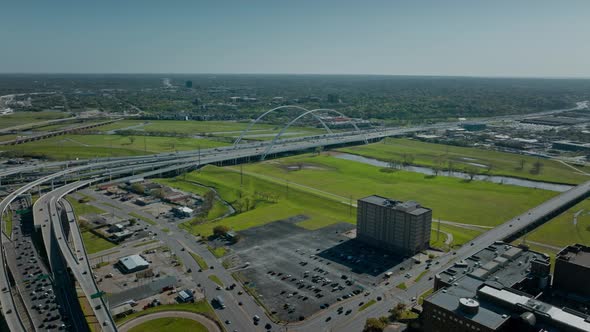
{"x": 298, "y": 74}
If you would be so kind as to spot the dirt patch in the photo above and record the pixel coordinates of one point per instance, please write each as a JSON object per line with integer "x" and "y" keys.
{"x": 302, "y": 166}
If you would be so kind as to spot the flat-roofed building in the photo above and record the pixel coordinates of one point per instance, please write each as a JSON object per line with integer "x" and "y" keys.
{"x": 572, "y": 270}
{"x": 132, "y": 263}
{"x": 500, "y": 288}
{"x": 402, "y": 227}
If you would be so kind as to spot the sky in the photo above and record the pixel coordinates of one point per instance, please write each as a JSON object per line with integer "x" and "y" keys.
{"x": 514, "y": 38}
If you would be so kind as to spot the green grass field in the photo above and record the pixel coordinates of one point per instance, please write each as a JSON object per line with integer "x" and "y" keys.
{"x": 321, "y": 190}
{"x": 21, "y": 118}
{"x": 217, "y": 252}
{"x": 430, "y": 154}
{"x": 170, "y": 324}
{"x": 8, "y": 137}
{"x": 368, "y": 304}
{"x": 322, "y": 211}
{"x": 94, "y": 243}
{"x": 81, "y": 209}
{"x": 200, "y": 261}
{"x": 7, "y": 218}
{"x": 215, "y": 279}
{"x": 450, "y": 199}
{"x": 201, "y": 306}
{"x": 217, "y": 128}
{"x": 92, "y": 146}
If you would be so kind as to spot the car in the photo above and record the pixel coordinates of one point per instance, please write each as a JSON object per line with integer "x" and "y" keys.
{"x": 328, "y": 318}
{"x": 218, "y": 287}
{"x": 256, "y": 318}
{"x": 240, "y": 303}
{"x": 227, "y": 322}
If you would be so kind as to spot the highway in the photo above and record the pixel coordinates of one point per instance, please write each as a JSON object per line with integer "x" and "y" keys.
{"x": 77, "y": 260}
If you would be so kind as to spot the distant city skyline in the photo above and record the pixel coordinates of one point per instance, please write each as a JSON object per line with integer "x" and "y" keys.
{"x": 503, "y": 38}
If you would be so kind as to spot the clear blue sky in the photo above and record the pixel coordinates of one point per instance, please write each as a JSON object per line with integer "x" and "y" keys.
{"x": 439, "y": 37}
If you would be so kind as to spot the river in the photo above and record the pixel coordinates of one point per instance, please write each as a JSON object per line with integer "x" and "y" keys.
{"x": 460, "y": 175}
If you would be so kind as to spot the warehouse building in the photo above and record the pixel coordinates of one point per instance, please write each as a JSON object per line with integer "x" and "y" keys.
{"x": 402, "y": 227}
{"x": 132, "y": 264}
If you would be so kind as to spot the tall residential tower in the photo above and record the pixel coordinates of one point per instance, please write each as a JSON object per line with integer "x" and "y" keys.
{"x": 402, "y": 227}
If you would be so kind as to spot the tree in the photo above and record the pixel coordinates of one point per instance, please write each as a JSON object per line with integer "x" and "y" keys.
{"x": 521, "y": 164}
{"x": 159, "y": 193}
{"x": 208, "y": 200}
{"x": 138, "y": 188}
{"x": 537, "y": 167}
{"x": 220, "y": 230}
{"x": 397, "y": 312}
{"x": 375, "y": 324}
{"x": 393, "y": 164}
{"x": 131, "y": 139}
{"x": 408, "y": 158}
{"x": 471, "y": 172}
{"x": 451, "y": 166}
{"x": 319, "y": 150}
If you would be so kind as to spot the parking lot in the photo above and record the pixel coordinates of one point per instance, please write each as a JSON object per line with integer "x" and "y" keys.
{"x": 31, "y": 275}
{"x": 298, "y": 272}
{"x": 162, "y": 263}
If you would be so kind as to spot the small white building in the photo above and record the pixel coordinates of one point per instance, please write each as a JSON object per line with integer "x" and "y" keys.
{"x": 182, "y": 212}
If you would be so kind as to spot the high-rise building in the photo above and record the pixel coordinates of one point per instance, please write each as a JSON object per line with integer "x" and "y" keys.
{"x": 402, "y": 227}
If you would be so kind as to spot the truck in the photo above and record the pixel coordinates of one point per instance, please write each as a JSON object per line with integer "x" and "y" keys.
{"x": 219, "y": 301}
{"x": 388, "y": 274}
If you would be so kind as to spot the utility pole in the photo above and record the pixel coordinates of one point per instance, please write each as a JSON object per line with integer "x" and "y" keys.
{"x": 287, "y": 189}
{"x": 350, "y": 207}
{"x": 438, "y": 230}
{"x": 241, "y": 175}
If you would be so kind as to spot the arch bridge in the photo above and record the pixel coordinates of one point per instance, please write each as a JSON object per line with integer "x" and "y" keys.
{"x": 290, "y": 123}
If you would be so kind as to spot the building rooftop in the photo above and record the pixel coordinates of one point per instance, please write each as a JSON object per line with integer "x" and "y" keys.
{"x": 409, "y": 206}
{"x": 185, "y": 209}
{"x": 500, "y": 262}
{"x": 499, "y": 265}
{"x": 134, "y": 261}
{"x": 449, "y": 298}
{"x": 516, "y": 301}
{"x": 577, "y": 254}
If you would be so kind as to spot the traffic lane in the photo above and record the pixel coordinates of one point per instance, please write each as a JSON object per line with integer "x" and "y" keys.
{"x": 83, "y": 276}
{"x": 239, "y": 316}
